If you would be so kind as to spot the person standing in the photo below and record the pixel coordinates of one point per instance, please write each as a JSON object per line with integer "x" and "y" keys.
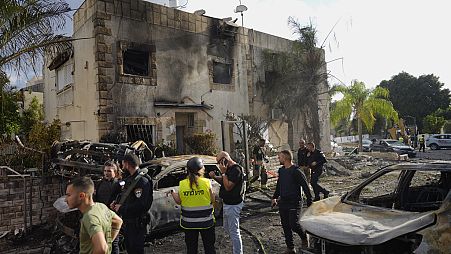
{"x": 302, "y": 159}
{"x": 259, "y": 157}
{"x": 134, "y": 203}
{"x": 99, "y": 225}
{"x": 422, "y": 143}
{"x": 231, "y": 192}
{"x": 290, "y": 184}
{"x": 316, "y": 160}
{"x": 105, "y": 189}
{"x": 196, "y": 198}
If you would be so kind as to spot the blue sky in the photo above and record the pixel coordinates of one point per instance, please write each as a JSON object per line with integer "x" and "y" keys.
{"x": 376, "y": 38}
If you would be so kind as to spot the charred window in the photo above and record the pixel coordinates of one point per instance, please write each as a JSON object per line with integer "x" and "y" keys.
{"x": 140, "y": 132}
{"x": 172, "y": 179}
{"x": 380, "y": 192}
{"x": 136, "y": 62}
{"x": 222, "y": 73}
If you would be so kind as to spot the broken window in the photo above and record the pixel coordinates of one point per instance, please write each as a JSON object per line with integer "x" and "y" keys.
{"x": 136, "y": 62}
{"x": 426, "y": 191}
{"x": 222, "y": 73}
{"x": 142, "y": 132}
{"x": 172, "y": 179}
{"x": 380, "y": 192}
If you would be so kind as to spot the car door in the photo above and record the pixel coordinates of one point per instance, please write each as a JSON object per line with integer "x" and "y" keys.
{"x": 165, "y": 213}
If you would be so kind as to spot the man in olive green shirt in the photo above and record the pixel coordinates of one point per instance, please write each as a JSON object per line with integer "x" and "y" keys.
{"x": 99, "y": 225}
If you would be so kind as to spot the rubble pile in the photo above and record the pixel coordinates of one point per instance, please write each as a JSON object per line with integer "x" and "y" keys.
{"x": 343, "y": 165}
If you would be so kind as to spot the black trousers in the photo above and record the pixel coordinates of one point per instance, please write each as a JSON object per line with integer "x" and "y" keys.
{"x": 314, "y": 182}
{"x": 115, "y": 246}
{"x": 422, "y": 146}
{"x": 290, "y": 223}
{"x": 208, "y": 239}
{"x": 134, "y": 236}
{"x": 259, "y": 171}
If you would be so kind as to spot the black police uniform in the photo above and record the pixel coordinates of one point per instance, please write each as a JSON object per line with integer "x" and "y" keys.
{"x": 318, "y": 157}
{"x": 134, "y": 213}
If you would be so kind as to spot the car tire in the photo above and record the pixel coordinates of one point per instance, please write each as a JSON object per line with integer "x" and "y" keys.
{"x": 434, "y": 147}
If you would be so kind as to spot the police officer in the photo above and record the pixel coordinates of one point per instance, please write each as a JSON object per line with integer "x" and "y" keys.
{"x": 135, "y": 201}
{"x": 259, "y": 157}
{"x": 315, "y": 160}
{"x": 196, "y": 198}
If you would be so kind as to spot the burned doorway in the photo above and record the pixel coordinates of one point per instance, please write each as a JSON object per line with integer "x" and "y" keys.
{"x": 184, "y": 122}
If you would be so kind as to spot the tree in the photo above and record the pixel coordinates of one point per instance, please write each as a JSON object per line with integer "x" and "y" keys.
{"x": 417, "y": 97}
{"x": 293, "y": 78}
{"x": 10, "y": 121}
{"x": 27, "y": 30}
{"x": 362, "y": 104}
{"x": 433, "y": 123}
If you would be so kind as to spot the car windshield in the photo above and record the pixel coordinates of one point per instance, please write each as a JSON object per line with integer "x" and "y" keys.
{"x": 395, "y": 143}
{"x": 366, "y": 142}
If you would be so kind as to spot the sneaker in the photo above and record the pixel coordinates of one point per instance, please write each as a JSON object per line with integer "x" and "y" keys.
{"x": 326, "y": 194}
{"x": 290, "y": 251}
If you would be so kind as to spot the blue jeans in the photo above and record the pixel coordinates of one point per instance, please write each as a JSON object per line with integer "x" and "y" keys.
{"x": 231, "y": 223}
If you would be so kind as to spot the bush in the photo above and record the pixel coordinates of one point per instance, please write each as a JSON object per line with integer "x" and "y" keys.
{"x": 202, "y": 143}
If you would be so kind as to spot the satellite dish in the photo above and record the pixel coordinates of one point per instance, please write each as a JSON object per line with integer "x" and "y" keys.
{"x": 200, "y": 12}
{"x": 240, "y": 8}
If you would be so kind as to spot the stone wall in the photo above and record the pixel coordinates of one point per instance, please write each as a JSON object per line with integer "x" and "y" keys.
{"x": 44, "y": 192}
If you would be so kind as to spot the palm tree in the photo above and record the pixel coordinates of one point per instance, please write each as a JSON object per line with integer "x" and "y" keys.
{"x": 27, "y": 29}
{"x": 362, "y": 104}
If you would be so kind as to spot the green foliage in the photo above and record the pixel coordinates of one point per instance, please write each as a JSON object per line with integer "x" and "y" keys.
{"x": 27, "y": 29}
{"x": 292, "y": 78}
{"x": 447, "y": 127}
{"x": 445, "y": 113}
{"x": 41, "y": 136}
{"x": 433, "y": 123}
{"x": 10, "y": 122}
{"x": 202, "y": 143}
{"x": 362, "y": 104}
{"x": 32, "y": 115}
{"x": 417, "y": 97}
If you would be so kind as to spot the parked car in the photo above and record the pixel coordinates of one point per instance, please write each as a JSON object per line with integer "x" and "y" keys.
{"x": 166, "y": 173}
{"x": 438, "y": 141}
{"x": 366, "y": 145}
{"x": 392, "y": 145}
{"x": 404, "y": 208}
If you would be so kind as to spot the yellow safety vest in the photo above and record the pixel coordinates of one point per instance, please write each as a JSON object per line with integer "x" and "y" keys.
{"x": 197, "y": 210}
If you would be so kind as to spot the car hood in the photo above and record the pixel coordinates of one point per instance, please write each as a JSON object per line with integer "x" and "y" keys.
{"x": 360, "y": 225}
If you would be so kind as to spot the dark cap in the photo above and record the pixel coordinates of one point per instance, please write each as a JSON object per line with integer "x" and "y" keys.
{"x": 195, "y": 164}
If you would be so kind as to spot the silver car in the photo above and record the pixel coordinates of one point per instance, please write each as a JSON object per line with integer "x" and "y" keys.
{"x": 438, "y": 141}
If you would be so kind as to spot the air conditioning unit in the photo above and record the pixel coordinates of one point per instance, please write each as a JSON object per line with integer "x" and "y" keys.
{"x": 277, "y": 114}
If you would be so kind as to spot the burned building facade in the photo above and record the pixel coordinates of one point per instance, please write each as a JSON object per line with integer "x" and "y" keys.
{"x": 159, "y": 74}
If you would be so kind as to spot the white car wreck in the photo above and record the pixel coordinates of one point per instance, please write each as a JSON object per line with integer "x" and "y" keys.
{"x": 403, "y": 208}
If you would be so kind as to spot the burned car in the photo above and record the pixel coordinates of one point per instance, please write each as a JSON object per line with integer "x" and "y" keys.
{"x": 403, "y": 208}
{"x": 166, "y": 173}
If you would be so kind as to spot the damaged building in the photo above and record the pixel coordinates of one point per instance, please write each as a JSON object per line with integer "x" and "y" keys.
{"x": 159, "y": 74}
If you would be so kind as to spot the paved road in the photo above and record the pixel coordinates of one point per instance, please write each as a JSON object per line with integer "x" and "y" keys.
{"x": 442, "y": 154}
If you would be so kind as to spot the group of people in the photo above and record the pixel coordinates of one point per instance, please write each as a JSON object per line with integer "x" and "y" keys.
{"x": 116, "y": 201}
{"x": 113, "y": 203}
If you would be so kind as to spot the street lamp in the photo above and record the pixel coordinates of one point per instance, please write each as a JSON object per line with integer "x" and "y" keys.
{"x": 241, "y": 8}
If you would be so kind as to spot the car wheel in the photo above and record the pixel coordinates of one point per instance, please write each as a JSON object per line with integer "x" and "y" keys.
{"x": 434, "y": 147}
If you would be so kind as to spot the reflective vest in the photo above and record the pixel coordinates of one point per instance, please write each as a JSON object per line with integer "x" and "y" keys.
{"x": 421, "y": 140}
{"x": 196, "y": 210}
